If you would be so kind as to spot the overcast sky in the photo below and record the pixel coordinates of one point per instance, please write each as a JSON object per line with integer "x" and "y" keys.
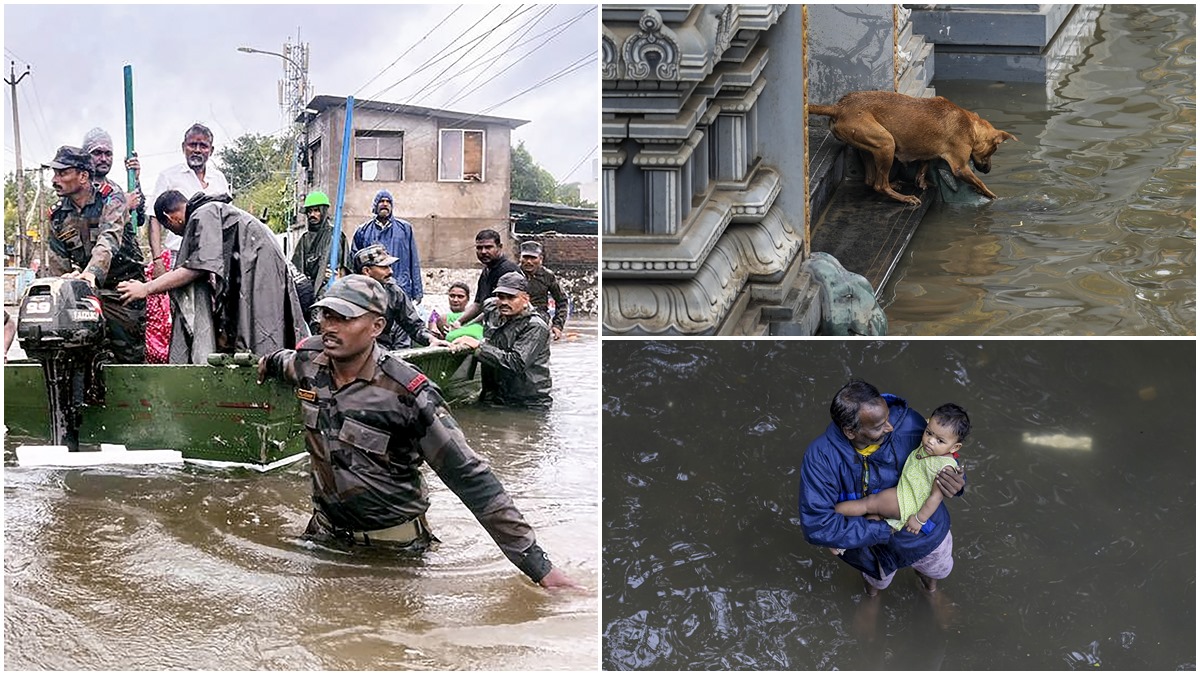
{"x": 186, "y": 68}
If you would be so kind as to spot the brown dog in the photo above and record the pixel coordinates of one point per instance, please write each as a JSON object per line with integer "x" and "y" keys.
{"x": 887, "y": 125}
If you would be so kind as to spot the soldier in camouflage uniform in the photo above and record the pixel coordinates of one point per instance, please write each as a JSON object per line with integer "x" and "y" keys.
{"x": 543, "y": 285}
{"x": 371, "y": 420}
{"x": 515, "y": 350}
{"x": 404, "y": 324}
{"x": 99, "y": 145}
{"x": 91, "y": 238}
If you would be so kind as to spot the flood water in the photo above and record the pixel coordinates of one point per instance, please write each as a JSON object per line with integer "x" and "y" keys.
{"x": 190, "y": 568}
{"x": 1095, "y": 229}
{"x": 1064, "y": 558}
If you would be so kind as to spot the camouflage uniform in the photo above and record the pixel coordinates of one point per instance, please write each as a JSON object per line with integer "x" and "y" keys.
{"x": 542, "y": 286}
{"x": 100, "y": 239}
{"x": 404, "y": 324}
{"x": 516, "y": 358}
{"x": 368, "y": 439}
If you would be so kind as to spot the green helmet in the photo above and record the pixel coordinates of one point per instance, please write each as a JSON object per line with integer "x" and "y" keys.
{"x": 316, "y": 198}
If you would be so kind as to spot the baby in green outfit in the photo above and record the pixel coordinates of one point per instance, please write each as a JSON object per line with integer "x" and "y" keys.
{"x": 910, "y": 504}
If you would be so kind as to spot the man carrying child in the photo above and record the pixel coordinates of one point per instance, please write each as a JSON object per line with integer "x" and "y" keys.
{"x": 862, "y": 452}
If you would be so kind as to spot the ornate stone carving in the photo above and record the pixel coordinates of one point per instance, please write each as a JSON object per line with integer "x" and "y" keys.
{"x": 611, "y": 69}
{"x": 725, "y": 30}
{"x": 662, "y": 258}
{"x": 698, "y": 306}
{"x": 652, "y": 42}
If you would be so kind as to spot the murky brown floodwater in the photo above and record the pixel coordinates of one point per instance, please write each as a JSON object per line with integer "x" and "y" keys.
{"x": 167, "y": 568}
{"x": 1081, "y": 559}
{"x": 1095, "y": 230}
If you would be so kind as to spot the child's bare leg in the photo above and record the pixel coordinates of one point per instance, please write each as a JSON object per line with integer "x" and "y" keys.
{"x": 883, "y": 503}
{"x": 854, "y": 507}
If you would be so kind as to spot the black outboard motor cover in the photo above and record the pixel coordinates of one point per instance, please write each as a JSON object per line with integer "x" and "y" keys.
{"x": 58, "y": 314}
{"x": 61, "y": 325}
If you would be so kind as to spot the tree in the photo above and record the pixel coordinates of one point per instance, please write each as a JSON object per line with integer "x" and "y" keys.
{"x": 568, "y": 194}
{"x": 259, "y": 171}
{"x": 530, "y": 182}
{"x": 34, "y": 205}
{"x": 253, "y": 158}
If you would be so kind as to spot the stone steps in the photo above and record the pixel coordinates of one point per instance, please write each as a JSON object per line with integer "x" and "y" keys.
{"x": 866, "y": 231}
{"x": 916, "y": 78}
{"x": 1013, "y": 43}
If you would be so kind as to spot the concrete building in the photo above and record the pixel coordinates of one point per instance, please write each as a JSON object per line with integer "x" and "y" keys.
{"x": 449, "y": 172}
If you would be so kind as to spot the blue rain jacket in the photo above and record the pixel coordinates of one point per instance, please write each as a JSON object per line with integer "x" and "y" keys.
{"x": 833, "y": 472}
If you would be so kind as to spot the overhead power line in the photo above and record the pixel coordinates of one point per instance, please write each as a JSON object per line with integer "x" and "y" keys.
{"x": 407, "y": 51}
{"x": 437, "y": 58}
{"x": 557, "y": 28}
{"x": 434, "y": 82}
{"x": 502, "y": 50}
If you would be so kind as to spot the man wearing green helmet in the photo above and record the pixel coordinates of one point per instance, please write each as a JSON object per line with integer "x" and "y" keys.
{"x": 311, "y": 256}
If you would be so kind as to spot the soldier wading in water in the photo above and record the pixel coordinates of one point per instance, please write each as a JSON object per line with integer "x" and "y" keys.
{"x": 370, "y": 421}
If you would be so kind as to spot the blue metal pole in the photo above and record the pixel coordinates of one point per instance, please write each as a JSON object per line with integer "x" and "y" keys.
{"x": 347, "y": 138}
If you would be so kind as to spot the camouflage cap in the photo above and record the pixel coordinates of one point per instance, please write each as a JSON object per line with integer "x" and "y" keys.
{"x": 374, "y": 255}
{"x": 354, "y": 295}
{"x": 70, "y": 157}
{"x": 531, "y": 248}
{"x": 511, "y": 284}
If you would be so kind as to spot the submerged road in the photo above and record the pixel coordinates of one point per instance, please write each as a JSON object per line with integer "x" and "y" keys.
{"x": 163, "y": 568}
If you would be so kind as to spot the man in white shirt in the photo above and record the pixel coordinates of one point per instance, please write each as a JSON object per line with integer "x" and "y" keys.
{"x": 194, "y": 175}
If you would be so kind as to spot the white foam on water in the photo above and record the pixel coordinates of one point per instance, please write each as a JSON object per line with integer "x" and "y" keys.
{"x": 108, "y": 454}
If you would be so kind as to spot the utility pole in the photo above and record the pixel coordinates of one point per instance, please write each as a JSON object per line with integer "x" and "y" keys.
{"x": 43, "y": 224}
{"x": 293, "y": 98}
{"x": 12, "y": 82}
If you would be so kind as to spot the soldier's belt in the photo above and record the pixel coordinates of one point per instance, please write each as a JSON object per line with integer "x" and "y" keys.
{"x": 403, "y": 533}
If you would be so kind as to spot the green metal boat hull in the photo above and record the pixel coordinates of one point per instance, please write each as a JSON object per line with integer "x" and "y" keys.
{"x": 211, "y": 414}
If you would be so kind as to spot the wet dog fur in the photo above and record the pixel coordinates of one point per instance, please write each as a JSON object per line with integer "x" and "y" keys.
{"x": 887, "y": 125}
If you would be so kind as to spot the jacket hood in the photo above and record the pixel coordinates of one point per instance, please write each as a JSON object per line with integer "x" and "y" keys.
{"x": 382, "y": 194}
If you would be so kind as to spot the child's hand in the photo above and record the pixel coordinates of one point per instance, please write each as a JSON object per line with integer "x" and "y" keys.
{"x": 913, "y": 525}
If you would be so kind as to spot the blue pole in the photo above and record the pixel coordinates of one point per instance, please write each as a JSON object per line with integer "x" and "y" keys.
{"x": 347, "y": 137}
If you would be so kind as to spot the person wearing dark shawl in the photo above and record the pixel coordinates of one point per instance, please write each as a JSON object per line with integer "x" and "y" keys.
{"x": 231, "y": 289}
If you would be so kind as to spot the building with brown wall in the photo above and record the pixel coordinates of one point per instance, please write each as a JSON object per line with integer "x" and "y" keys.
{"x": 449, "y": 172}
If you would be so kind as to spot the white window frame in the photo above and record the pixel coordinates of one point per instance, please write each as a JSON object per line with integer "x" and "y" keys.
{"x": 462, "y": 155}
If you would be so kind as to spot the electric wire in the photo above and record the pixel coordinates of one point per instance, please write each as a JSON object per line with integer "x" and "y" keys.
{"x": 409, "y": 50}
{"x": 434, "y": 82}
{"x": 433, "y": 60}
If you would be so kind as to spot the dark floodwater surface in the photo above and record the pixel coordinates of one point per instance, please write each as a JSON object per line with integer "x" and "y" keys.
{"x": 170, "y": 568}
{"x": 1095, "y": 229}
{"x": 1064, "y": 557}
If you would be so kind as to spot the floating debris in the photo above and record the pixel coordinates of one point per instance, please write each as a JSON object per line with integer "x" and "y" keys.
{"x": 1058, "y": 441}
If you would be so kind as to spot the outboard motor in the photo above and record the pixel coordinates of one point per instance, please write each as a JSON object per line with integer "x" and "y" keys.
{"x": 61, "y": 325}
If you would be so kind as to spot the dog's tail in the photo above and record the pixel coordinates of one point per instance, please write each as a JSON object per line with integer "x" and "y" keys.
{"x": 826, "y": 110}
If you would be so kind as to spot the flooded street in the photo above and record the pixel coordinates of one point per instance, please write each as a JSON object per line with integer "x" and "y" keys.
{"x": 1074, "y": 543}
{"x": 191, "y": 568}
{"x": 1094, "y": 231}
